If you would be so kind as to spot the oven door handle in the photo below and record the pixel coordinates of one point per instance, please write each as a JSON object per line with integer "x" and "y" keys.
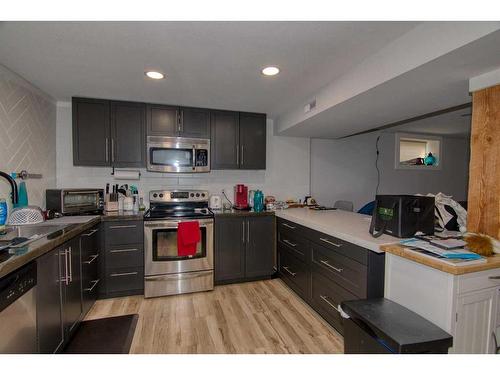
{"x": 175, "y": 223}
{"x": 194, "y": 157}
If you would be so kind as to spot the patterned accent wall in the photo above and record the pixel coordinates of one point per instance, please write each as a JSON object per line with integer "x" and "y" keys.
{"x": 27, "y": 135}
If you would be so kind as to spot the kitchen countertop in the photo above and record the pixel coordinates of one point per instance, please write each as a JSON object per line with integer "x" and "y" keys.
{"x": 12, "y": 259}
{"x": 404, "y": 252}
{"x": 348, "y": 226}
{"x": 223, "y": 213}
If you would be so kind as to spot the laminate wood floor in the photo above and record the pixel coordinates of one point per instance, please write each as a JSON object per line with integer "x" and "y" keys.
{"x": 254, "y": 317}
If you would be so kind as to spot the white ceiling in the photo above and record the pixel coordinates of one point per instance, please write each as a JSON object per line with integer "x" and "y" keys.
{"x": 208, "y": 64}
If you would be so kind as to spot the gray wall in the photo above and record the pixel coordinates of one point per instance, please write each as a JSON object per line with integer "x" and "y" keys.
{"x": 286, "y": 176}
{"x": 27, "y": 134}
{"x": 345, "y": 170}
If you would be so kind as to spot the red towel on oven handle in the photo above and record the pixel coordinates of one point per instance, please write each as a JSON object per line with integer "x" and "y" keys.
{"x": 188, "y": 236}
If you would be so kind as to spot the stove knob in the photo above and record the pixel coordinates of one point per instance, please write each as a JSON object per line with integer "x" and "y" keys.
{"x": 161, "y": 195}
{"x": 203, "y": 195}
{"x": 197, "y": 195}
{"x": 192, "y": 194}
{"x": 155, "y": 195}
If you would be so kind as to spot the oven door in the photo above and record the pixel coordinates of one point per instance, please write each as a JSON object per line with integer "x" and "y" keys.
{"x": 172, "y": 154}
{"x": 78, "y": 201}
{"x": 160, "y": 248}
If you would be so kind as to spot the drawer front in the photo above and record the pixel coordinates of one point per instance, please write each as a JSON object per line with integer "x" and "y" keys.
{"x": 326, "y": 297}
{"x": 125, "y": 256}
{"x": 291, "y": 227}
{"x": 89, "y": 242}
{"x": 344, "y": 271}
{"x": 297, "y": 244}
{"x": 295, "y": 273}
{"x": 345, "y": 248}
{"x": 123, "y": 232}
{"x": 124, "y": 279}
{"x": 478, "y": 280}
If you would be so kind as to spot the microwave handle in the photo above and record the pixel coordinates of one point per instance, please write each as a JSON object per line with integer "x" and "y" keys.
{"x": 194, "y": 157}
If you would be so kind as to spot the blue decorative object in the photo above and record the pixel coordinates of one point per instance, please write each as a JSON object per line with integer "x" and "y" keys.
{"x": 258, "y": 201}
{"x": 430, "y": 159}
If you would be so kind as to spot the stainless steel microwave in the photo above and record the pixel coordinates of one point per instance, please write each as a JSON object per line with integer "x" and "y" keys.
{"x": 75, "y": 201}
{"x": 178, "y": 155}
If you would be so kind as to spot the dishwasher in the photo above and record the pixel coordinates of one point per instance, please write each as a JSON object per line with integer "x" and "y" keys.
{"x": 18, "y": 311}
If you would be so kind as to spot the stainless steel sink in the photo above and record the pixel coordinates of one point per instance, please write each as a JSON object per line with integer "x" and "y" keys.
{"x": 30, "y": 232}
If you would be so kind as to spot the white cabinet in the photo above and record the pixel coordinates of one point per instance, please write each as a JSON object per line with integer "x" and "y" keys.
{"x": 466, "y": 306}
{"x": 475, "y": 322}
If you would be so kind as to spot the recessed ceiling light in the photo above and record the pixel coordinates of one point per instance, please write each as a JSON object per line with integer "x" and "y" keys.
{"x": 155, "y": 75}
{"x": 270, "y": 70}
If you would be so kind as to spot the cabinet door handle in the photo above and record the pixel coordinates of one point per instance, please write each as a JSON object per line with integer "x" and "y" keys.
{"x": 91, "y": 233}
{"x": 494, "y": 277}
{"x": 112, "y": 149}
{"x": 107, "y": 149}
{"x": 330, "y": 242}
{"x": 70, "y": 257}
{"x": 65, "y": 278}
{"x": 123, "y": 274}
{"x": 124, "y": 250}
{"x": 242, "y": 162}
{"x": 243, "y": 225}
{"x": 288, "y": 226}
{"x": 290, "y": 272}
{"x": 122, "y": 226}
{"x": 238, "y": 154}
{"x": 248, "y": 231}
{"x": 94, "y": 283}
{"x": 290, "y": 243}
{"x": 91, "y": 259}
{"x": 325, "y": 298}
{"x": 325, "y": 262}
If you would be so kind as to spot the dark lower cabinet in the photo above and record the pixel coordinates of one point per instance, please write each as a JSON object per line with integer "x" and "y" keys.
{"x": 65, "y": 278}
{"x": 91, "y": 256}
{"x": 325, "y": 271}
{"x": 71, "y": 286}
{"x": 244, "y": 248}
{"x": 49, "y": 302}
{"x": 229, "y": 249}
{"x": 122, "y": 272}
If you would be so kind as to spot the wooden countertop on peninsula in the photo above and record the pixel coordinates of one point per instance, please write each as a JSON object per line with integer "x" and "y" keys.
{"x": 404, "y": 252}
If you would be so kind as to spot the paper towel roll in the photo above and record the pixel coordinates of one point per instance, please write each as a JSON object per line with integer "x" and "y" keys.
{"x": 127, "y": 175}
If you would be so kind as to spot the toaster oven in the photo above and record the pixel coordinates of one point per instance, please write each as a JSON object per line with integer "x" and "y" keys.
{"x": 75, "y": 201}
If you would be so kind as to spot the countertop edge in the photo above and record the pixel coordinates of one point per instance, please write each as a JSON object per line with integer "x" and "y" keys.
{"x": 332, "y": 232}
{"x": 403, "y": 252}
{"x": 17, "y": 263}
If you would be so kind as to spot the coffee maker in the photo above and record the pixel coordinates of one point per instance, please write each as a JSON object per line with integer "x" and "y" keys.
{"x": 241, "y": 197}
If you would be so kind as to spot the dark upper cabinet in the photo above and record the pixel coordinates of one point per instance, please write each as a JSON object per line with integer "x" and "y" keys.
{"x": 194, "y": 122}
{"x": 244, "y": 248}
{"x": 259, "y": 254}
{"x": 252, "y": 141}
{"x": 49, "y": 299}
{"x": 229, "y": 248}
{"x": 162, "y": 120}
{"x": 238, "y": 140}
{"x": 225, "y": 134}
{"x": 128, "y": 134}
{"x": 91, "y": 132}
{"x": 70, "y": 268}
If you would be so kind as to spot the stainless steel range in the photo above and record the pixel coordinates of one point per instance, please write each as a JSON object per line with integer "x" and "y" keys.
{"x": 166, "y": 272}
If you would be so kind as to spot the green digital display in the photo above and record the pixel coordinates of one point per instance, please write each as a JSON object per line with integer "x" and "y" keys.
{"x": 385, "y": 213}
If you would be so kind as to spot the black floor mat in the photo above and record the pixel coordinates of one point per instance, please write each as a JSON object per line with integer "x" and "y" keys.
{"x": 104, "y": 336}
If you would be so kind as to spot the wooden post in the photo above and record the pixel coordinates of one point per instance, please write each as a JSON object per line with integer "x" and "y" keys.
{"x": 484, "y": 171}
